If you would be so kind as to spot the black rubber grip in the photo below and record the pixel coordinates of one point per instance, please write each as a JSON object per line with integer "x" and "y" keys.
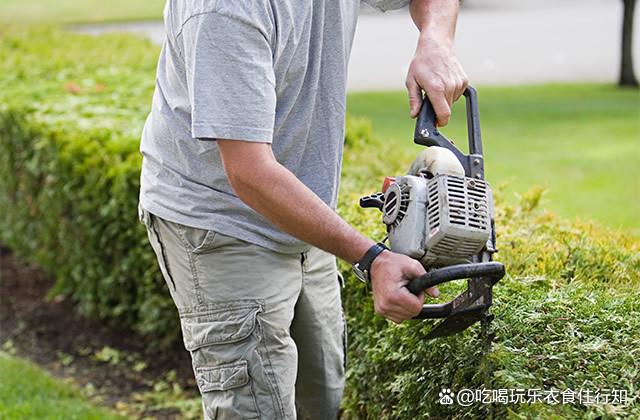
{"x": 373, "y": 201}
{"x": 438, "y": 276}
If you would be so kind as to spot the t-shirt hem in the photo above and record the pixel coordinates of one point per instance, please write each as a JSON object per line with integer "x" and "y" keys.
{"x": 249, "y": 237}
{"x": 230, "y": 132}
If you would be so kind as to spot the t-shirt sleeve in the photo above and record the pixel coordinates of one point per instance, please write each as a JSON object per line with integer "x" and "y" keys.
{"x": 385, "y": 5}
{"x": 230, "y": 78}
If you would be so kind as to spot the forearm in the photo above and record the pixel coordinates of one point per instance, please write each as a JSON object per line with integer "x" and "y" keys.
{"x": 275, "y": 193}
{"x": 435, "y": 19}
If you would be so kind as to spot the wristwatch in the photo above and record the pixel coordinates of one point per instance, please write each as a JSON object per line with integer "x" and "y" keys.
{"x": 363, "y": 267}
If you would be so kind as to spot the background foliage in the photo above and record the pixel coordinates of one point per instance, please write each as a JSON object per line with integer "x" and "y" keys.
{"x": 72, "y": 106}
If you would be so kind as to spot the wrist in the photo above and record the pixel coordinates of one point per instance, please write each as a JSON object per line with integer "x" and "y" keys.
{"x": 433, "y": 38}
{"x": 363, "y": 267}
{"x": 361, "y": 249}
{"x": 380, "y": 261}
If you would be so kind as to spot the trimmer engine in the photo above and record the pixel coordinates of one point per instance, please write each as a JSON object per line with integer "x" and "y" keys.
{"x": 441, "y": 213}
{"x": 442, "y": 220}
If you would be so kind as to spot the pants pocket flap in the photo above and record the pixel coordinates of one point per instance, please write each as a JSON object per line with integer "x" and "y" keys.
{"x": 222, "y": 377}
{"x": 229, "y": 325}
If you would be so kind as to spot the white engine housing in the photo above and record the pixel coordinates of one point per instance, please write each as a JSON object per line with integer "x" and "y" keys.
{"x": 440, "y": 221}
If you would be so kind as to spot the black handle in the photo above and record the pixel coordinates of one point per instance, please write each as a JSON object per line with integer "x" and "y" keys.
{"x": 373, "y": 201}
{"x": 427, "y": 133}
{"x": 493, "y": 270}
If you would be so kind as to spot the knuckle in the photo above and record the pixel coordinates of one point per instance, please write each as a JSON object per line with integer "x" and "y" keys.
{"x": 382, "y": 308}
{"x": 377, "y": 310}
{"x": 435, "y": 85}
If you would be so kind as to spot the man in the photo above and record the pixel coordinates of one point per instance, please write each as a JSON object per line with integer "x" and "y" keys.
{"x": 242, "y": 153}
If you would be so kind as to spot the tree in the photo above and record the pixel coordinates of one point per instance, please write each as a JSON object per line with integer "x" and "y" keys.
{"x": 627, "y": 76}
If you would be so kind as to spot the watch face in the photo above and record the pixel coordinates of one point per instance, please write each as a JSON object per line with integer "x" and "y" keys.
{"x": 360, "y": 274}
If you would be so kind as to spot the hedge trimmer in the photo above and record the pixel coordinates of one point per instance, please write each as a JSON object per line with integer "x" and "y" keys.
{"x": 441, "y": 213}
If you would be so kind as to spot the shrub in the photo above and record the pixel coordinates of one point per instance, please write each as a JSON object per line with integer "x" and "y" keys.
{"x": 72, "y": 110}
{"x": 567, "y": 315}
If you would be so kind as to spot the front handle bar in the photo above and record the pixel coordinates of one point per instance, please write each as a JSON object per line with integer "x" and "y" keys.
{"x": 493, "y": 270}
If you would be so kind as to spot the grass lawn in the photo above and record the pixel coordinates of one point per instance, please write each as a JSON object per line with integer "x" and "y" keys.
{"x": 27, "y": 392}
{"x": 73, "y": 11}
{"x": 580, "y": 142}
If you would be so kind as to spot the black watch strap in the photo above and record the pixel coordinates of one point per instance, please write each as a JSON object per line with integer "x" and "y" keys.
{"x": 365, "y": 263}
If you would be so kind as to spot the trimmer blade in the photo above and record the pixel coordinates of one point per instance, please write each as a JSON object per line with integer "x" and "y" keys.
{"x": 456, "y": 323}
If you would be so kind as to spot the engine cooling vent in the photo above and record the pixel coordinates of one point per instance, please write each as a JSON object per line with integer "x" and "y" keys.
{"x": 458, "y": 216}
{"x": 453, "y": 246}
{"x": 467, "y": 199}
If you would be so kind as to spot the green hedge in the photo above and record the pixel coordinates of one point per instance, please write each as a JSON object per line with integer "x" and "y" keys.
{"x": 71, "y": 115}
{"x": 72, "y": 107}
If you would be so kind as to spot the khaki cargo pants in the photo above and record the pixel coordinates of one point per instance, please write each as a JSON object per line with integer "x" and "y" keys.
{"x": 265, "y": 330}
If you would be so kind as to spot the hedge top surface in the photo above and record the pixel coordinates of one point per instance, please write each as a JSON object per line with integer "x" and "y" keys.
{"x": 78, "y": 83}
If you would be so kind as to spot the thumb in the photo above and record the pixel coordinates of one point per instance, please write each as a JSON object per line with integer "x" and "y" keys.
{"x": 415, "y": 96}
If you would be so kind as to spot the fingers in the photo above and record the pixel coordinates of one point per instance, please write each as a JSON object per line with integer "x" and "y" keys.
{"x": 390, "y": 274}
{"x": 462, "y": 82}
{"x": 391, "y": 297}
{"x": 401, "y": 306}
{"x": 436, "y": 71}
{"x": 441, "y": 95}
{"x": 433, "y": 292}
{"x": 415, "y": 96}
{"x": 441, "y": 100}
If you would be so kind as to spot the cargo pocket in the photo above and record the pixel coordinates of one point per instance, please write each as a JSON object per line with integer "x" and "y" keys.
{"x": 226, "y": 391}
{"x": 222, "y": 343}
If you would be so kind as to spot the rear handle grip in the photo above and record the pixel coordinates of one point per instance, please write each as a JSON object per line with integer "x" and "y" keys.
{"x": 427, "y": 134}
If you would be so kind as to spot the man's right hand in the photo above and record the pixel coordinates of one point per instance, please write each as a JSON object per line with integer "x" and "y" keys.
{"x": 390, "y": 273}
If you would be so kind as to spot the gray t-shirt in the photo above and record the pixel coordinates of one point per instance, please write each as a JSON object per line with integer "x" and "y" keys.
{"x": 264, "y": 71}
